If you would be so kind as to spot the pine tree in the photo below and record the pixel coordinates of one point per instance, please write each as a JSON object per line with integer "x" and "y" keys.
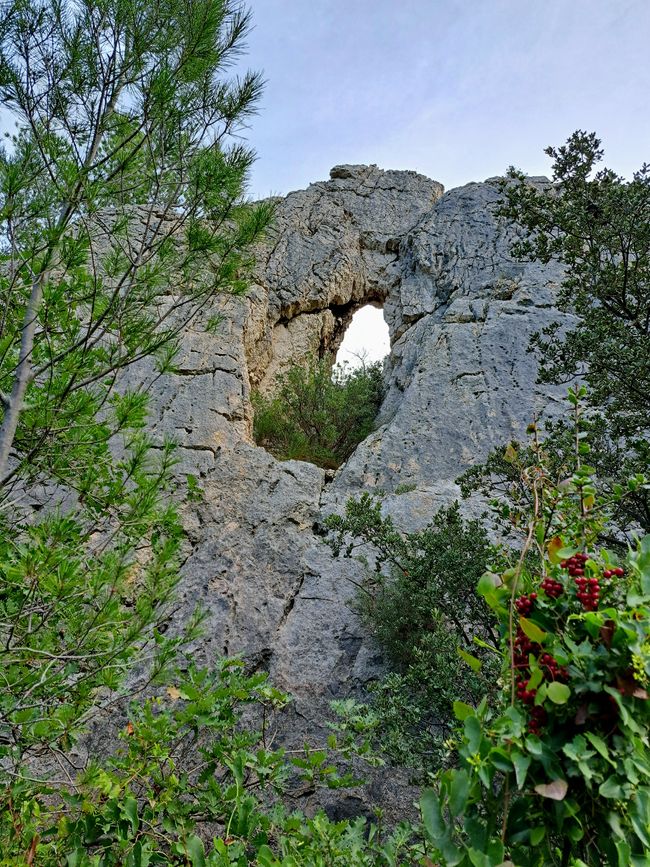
{"x": 598, "y": 225}
{"x": 121, "y": 183}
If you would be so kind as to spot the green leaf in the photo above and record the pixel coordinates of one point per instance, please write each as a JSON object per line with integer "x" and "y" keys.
{"x": 640, "y": 819}
{"x": 473, "y": 734}
{"x": 195, "y": 851}
{"x": 265, "y": 857}
{"x": 474, "y": 663}
{"x": 75, "y": 858}
{"x": 537, "y": 835}
{"x": 131, "y": 812}
{"x": 599, "y": 744}
{"x": 437, "y": 829}
{"x": 484, "y": 644}
{"x": 614, "y": 822}
{"x": 432, "y": 815}
{"x": 558, "y": 692}
{"x": 488, "y": 582}
{"x": 623, "y": 851}
{"x": 462, "y": 710}
{"x": 565, "y": 553}
{"x": 611, "y": 788}
{"x": 459, "y": 792}
{"x": 500, "y": 758}
{"x": 532, "y": 630}
{"x": 521, "y": 763}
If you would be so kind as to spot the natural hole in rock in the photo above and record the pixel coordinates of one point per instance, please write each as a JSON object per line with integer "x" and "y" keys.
{"x": 366, "y": 338}
{"x": 323, "y": 407}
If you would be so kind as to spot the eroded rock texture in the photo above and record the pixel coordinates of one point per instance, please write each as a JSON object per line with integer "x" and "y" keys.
{"x": 460, "y": 380}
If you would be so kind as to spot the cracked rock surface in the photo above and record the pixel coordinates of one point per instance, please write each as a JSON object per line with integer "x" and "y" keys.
{"x": 460, "y": 380}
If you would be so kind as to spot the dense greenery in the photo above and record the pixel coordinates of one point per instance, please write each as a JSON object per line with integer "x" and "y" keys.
{"x": 319, "y": 413}
{"x": 559, "y": 773}
{"x": 190, "y": 784}
{"x": 123, "y": 150}
{"x": 420, "y": 602}
{"x": 121, "y": 180}
{"x": 598, "y": 225}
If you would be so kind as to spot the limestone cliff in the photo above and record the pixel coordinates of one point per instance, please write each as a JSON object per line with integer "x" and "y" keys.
{"x": 460, "y": 380}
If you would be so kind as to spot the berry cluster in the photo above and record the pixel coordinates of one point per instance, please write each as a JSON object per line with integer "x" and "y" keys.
{"x": 554, "y": 671}
{"x": 588, "y": 592}
{"x": 588, "y": 589}
{"x": 575, "y": 564}
{"x": 527, "y": 696}
{"x": 551, "y": 670}
{"x": 522, "y": 647}
{"x": 552, "y": 587}
{"x": 524, "y": 604}
{"x": 610, "y": 573}
{"x": 538, "y": 718}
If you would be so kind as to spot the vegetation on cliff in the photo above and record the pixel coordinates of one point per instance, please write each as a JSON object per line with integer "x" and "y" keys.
{"x": 319, "y": 412}
{"x": 598, "y": 225}
{"x": 419, "y": 601}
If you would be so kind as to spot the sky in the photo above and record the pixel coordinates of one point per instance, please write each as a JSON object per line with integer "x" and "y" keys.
{"x": 455, "y": 89}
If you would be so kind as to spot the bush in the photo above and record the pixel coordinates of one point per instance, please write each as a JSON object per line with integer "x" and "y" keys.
{"x": 319, "y": 414}
{"x": 191, "y": 785}
{"x": 558, "y": 772}
{"x": 420, "y": 603}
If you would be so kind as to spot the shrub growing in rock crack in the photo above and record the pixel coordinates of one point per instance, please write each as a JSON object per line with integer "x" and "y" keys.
{"x": 319, "y": 413}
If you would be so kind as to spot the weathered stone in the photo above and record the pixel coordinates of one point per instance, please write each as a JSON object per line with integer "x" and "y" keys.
{"x": 460, "y": 380}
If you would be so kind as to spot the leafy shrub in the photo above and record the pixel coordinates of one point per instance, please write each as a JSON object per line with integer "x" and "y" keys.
{"x": 559, "y": 772}
{"x": 420, "y": 602}
{"x": 597, "y": 224}
{"x": 500, "y": 479}
{"x": 319, "y": 414}
{"x": 191, "y": 784}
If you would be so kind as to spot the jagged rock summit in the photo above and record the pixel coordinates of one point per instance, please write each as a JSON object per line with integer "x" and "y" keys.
{"x": 460, "y": 380}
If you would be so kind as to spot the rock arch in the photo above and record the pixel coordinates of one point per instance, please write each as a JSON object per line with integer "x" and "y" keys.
{"x": 460, "y": 313}
{"x": 333, "y": 250}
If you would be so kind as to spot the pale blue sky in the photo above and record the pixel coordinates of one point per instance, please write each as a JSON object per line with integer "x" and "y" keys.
{"x": 455, "y": 89}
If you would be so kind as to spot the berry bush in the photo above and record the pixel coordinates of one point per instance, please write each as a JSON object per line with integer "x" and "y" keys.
{"x": 559, "y": 772}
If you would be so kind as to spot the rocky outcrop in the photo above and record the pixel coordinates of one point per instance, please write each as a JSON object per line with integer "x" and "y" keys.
{"x": 460, "y": 380}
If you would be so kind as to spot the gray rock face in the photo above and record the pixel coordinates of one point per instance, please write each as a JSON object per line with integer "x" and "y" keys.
{"x": 460, "y": 380}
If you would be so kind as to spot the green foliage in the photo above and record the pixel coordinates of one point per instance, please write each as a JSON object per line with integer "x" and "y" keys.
{"x": 83, "y": 598}
{"x": 121, "y": 183}
{"x": 598, "y": 226}
{"x": 558, "y": 771}
{"x": 186, "y": 786}
{"x": 319, "y": 414}
{"x": 421, "y": 605}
